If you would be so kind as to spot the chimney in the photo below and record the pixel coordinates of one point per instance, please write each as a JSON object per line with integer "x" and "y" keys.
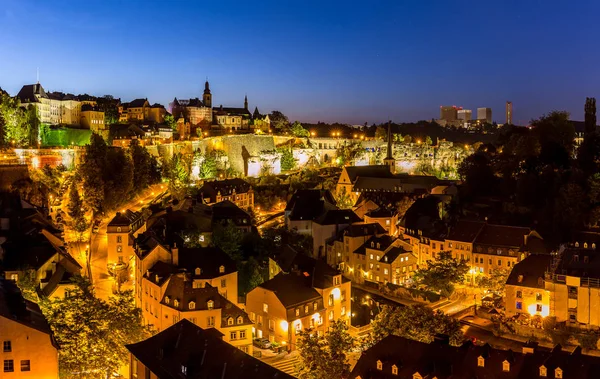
{"x": 175, "y": 255}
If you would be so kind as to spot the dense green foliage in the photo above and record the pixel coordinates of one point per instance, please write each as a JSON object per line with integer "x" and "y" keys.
{"x": 287, "y": 159}
{"x": 13, "y": 119}
{"x": 325, "y": 356}
{"x": 228, "y": 238}
{"x": 298, "y": 130}
{"x": 177, "y": 171}
{"x": 417, "y": 322}
{"x": 92, "y": 333}
{"x": 442, "y": 274}
{"x": 65, "y": 137}
{"x": 145, "y": 167}
{"x": 279, "y": 121}
{"x": 76, "y": 211}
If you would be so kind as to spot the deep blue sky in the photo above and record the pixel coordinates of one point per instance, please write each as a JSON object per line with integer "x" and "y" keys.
{"x": 348, "y": 61}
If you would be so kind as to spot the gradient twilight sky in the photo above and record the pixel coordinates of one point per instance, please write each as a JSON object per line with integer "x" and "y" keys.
{"x": 345, "y": 61}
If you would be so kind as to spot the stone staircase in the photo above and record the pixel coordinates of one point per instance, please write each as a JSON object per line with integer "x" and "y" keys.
{"x": 287, "y": 363}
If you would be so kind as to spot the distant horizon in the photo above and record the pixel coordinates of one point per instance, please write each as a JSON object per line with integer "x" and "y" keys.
{"x": 313, "y": 61}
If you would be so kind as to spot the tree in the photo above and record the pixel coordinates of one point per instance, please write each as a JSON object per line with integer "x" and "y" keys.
{"x": 590, "y": 115}
{"x": 298, "y": 130}
{"x": 324, "y": 357}
{"x": 108, "y": 105}
{"x": 92, "y": 333}
{"x": 417, "y": 322}
{"x": 494, "y": 282}
{"x": 171, "y": 123}
{"x": 442, "y": 273}
{"x": 33, "y": 126}
{"x": 28, "y": 283}
{"x": 14, "y": 121}
{"x": 381, "y": 133}
{"x": 279, "y": 121}
{"x": 227, "y": 237}
{"x": 287, "y": 159}
{"x": 177, "y": 171}
{"x": 476, "y": 171}
{"x": 555, "y": 128}
{"x": 76, "y": 211}
{"x": 91, "y": 171}
{"x": 428, "y": 141}
{"x": 250, "y": 276}
{"x": 118, "y": 178}
{"x": 145, "y": 167}
{"x": 343, "y": 199}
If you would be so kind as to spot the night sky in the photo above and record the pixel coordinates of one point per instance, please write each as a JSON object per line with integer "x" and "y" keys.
{"x": 345, "y": 61}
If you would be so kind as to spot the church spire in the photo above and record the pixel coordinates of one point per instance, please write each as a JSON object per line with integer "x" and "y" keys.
{"x": 389, "y": 160}
{"x": 389, "y": 142}
{"x": 246, "y": 102}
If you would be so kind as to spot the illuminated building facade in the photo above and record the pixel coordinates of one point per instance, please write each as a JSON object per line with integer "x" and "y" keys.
{"x": 310, "y": 295}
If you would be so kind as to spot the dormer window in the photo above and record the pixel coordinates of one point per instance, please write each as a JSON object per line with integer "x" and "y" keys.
{"x": 576, "y": 258}
{"x": 480, "y": 361}
{"x": 416, "y": 375}
{"x": 240, "y": 320}
{"x": 506, "y": 366}
{"x": 394, "y": 370}
{"x": 118, "y": 229}
{"x": 593, "y": 246}
{"x": 576, "y": 244}
{"x": 183, "y": 370}
{"x": 558, "y": 373}
{"x": 230, "y": 321}
{"x": 198, "y": 271}
{"x": 167, "y": 299}
{"x": 210, "y": 304}
{"x": 543, "y": 372}
{"x": 192, "y": 305}
{"x": 176, "y": 303}
{"x": 378, "y": 245}
{"x": 520, "y": 279}
{"x": 221, "y": 269}
{"x": 585, "y": 245}
{"x": 379, "y": 365}
{"x": 372, "y": 244}
{"x": 156, "y": 278}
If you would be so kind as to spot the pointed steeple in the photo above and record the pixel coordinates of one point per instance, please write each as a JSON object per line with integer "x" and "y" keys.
{"x": 206, "y": 86}
{"x": 246, "y": 102}
{"x": 389, "y": 142}
{"x": 389, "y": 159}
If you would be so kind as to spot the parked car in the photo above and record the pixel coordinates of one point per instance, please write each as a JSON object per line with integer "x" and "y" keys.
{"x": 263, "y": 343}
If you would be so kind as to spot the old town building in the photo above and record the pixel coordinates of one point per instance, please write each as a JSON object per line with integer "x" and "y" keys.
{"x": 399, "y": 357}
{"x": 185, "y": 350}
{"x": 307, "y": 295}
{"x": 236, "y": 190}
{"x": 340, "y": 249}
{"x": 525, "y": 287}
{"x": 121, "y": 232}
{"x": 305, "y": 206}
{"x": 28, "y": 347}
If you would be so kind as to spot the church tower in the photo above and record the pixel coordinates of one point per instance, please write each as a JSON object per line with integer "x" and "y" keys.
{"x": 246, "y": 102}
{"x": 207, "y": 97}
{"x": 389, "y": 160}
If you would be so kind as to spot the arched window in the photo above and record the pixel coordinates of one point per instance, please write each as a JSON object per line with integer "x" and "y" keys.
{"x": 210, "y": 304}
{"x": 118, "y": 229}
{"x": 192, "y": 305}
{"x": 197, "y": 271}
{"x": 222, "y": 269}
{"x": 230, "y": 321}
{"x": 379, "y": 365}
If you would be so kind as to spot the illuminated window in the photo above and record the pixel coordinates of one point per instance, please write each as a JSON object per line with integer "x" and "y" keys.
{"x": 197, "y": 271}
{"x": 343, "y": 310}
{"x": 210, "y": 304}
{"x": 480, "y": 361}
{"x": 222, "y": 269}
{"x": 394, "y": 370}
{"x": 543, "y": 371}
{"x": 379, "y": 365}
{"x": 505, "y": 366}
{"x": 306, "y": 309}
{"x": 558, "y": 373}
{"x": 230, "y": 321}
{"x": 330, "y": 299}
{"x": 119, "y": 248}
{"x": 297, "y": 312}
{"x": 240, "y": 320}
{"x": 315, "y": 305}
{"x": 265, "y": 307}
{"x": 330, "y": 315}
{"x": 192, "y": 305}
{"x": 176, "y": 303}
{"x": 167, "y": 299}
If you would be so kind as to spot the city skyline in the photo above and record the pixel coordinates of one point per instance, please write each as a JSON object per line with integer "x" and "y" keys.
{"x": 313, "y": 62}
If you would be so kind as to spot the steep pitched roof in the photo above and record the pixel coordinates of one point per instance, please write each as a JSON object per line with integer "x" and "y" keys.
{"x": 227, "y": 210}
{"x": 291, "y": 289}
{"x": 465, "y": 231}
{"x": 225, "y": 187}
{"x": 137, "y": 103}
{"x": 529, "y": 271}
{"x": 202, "y": 352}
{"x": 374, "y": 171}
{"x": 208, "y": 259}
{"x": 361, "y": 230}
{"x": 125, "y": 219}
{"x": 502, "y": 235}
{"x": 337, "y": 217}
{"x": 28, "y": 93}
{"x": 14, "y": 307}
{"x": 309, "y": 204}
{"x": 232, "y": 111}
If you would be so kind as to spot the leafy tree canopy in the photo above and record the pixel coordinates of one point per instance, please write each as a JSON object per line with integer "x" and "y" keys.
{"x": 442, "y": 273}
